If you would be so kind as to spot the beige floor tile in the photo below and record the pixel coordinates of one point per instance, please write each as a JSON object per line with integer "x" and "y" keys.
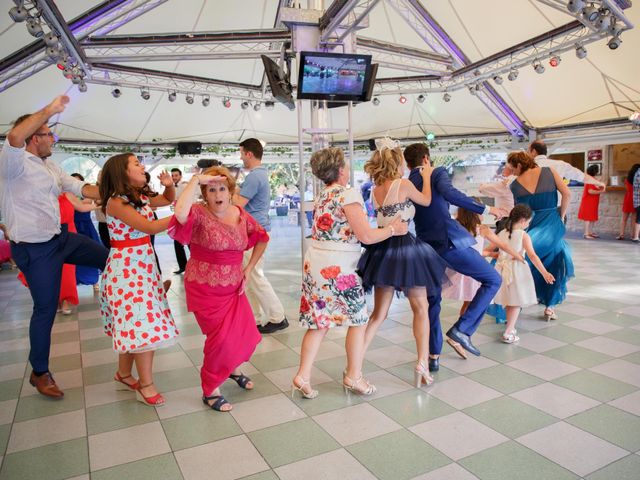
{"x": 266, "y": 412}
{"x": 543, "y": 367}
{"x": 332, "y": 465}
{"x": 620, "y": 370}
{"x": 46, "y": 430}
{"x": 593, "y": 326}
{"x": 171, "y": 361}
{"x": 89, "y": 314}
{"x": 472, "y": 364}
{"x": 226, "y": 459}
{"x": 66, "y": 327}
{"x": 555, "y": 400}
{"x": 462, "y": 392}
{"x": 629, "y": 403}
{"x": 453, "y": 471}
{"x": 14, "y": 370}
{"x": 99, "y": 357}
{"x": 355, "y": 424}
{"x": 457, "y": 435}
{"x": 127, "y": 445}
{"x": 89, "y": 333}
{"x": 386, "y": 384}
{"x": 328, "y": 349}
{"x": 15, "y": 344}
{"x": 399, "y": 334}
{"x": 269, "y": 344}
{"x": 66, "y": 348}
{"x": 390, "y": 356}
{"x": 608, "y": 346}
{"x": 103, "y": 393}
{"x": 7, "y": 411}
{"x": 538, "y": 343}
{"x": 179, "y": 402}
{"x": 191, "y": 342}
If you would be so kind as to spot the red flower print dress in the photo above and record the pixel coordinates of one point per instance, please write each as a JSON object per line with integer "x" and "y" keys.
{"x": 133, "y": 304}
{"x": 332, "y": 293}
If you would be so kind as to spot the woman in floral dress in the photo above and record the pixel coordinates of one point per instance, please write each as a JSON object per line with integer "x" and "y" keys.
{"x": 218, "y": 233}
{"x": 133, "y": 304}
{"x": 332, "y": 293}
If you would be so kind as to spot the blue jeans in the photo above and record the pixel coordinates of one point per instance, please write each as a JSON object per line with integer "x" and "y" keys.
{"x": 469, "y": 262}
{"x": 41, "y": 264}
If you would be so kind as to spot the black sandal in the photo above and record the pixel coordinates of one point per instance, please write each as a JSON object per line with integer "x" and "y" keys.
{"x": 242, "y": 380}
{"x": 220, "y": 401}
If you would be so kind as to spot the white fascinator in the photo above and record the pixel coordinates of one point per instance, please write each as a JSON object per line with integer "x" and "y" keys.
{"x": 386, "y": 142}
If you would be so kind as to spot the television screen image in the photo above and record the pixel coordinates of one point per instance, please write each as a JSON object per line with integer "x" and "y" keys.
{"x": 332, "y": 76}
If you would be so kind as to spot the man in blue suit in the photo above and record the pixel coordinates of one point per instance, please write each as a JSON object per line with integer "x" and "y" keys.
{"x": 453, "y": 243}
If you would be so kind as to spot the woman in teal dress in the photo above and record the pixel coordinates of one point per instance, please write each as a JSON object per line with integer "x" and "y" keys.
{"x": 538, "y": 188}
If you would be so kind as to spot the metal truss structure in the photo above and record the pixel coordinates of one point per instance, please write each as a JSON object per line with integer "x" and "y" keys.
{"x": 100, "y": 20}
{"x": 400, "y": 57}
{"x": 342, "y": 18}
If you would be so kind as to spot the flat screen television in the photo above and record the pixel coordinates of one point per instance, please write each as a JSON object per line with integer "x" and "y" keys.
{"x": 281, "y": 88}
{"x": 337, "y": 77}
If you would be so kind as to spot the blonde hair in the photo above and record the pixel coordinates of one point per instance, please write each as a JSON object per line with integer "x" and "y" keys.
{"x": 231, "y": 181}
{"x": 384, "y": 165}
{"x": 326, "y": 164}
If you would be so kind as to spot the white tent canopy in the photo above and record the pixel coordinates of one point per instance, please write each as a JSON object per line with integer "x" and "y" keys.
{"x": 604, "y": 85}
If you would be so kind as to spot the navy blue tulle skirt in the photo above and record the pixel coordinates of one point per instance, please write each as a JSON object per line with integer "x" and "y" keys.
{"x": 401, "y": 262}
{"x": 84, "y": 226}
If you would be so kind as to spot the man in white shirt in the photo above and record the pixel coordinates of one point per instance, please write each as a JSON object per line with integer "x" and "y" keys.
{"x": 538, "y": 150}
{"x": 29, "y": 188}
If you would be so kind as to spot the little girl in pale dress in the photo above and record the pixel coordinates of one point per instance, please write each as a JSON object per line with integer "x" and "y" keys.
{"x": 517, "y": 289}
{"x": 462, "y": 287}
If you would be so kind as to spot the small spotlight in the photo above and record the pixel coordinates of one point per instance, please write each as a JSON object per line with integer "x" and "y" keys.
{"x": 538, "y": 67}
{"x": 635, "y": 118}
{"x": 172, "y": 96}
{"x": 498, "y": 80}
{"x": 513, "y": 74}
{"x": 18, "y": 13}
{"x": 206, "y": 101}
{"x": 421, "y": 98}
{"x": 431, "y": 136}
{"x": 581, "y": 52}
{"x": 243, "y": 105}
{"x": 473, "y": 89}
{"x": 116, "y": 92}
{"x": 76, "y": 79}
{"x": 82, "y": 87}
{"x": 614, "y": 43}
{"x": 226, "y": 102}
{"x": 446, "y": 97}
{"x": 34, "y": 28}
{"x": 603, "y": 23}
{"x": 555, "y": 61}
{"x": 402, "y": 99}
{"x": 376, "y": 101}
{"x": 269, "y": 105}
{"x": 51, "y": 40}
{"x": 616, "y": 28}
{"x": 52, "y": 52}
{"x": 591, "y": 12}
{"x": 144, "y": 93}
{"x": 257, "y": 106}
{"x": 189, "y": 98}
{"x": 575, "y": 6}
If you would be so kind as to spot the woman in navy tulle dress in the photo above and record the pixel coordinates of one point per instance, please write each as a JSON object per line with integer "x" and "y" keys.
{"x": 84, "y": 225}
{"x": 538, "y": 188}
{"x": 402, "y": 263}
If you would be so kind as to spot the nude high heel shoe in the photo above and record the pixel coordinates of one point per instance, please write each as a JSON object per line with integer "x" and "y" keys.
{"x": 421, "y": 375}
{"x": 310, "y": 395}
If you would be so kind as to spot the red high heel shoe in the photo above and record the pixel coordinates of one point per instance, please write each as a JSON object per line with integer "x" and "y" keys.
{"x": 156, "y": 400}
{"x": 134, "y": 386}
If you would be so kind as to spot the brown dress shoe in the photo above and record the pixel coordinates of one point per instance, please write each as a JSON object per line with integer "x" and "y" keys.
{"x": 46, "y": 385}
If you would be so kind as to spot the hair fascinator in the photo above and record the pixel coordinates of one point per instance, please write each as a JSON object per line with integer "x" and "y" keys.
{"x": 386, "y": 142}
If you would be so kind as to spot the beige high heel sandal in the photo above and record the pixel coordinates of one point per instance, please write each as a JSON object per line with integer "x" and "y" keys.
{"x": 421, "y": 375}
{"x": 310, "y": 395}
{"x": 353, "y": 386}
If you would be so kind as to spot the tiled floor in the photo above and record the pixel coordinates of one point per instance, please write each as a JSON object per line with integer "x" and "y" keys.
{"x": 564, "y": 403}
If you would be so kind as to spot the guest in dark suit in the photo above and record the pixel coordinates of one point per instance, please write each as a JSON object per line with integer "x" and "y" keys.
{"x": 454, "y": 244}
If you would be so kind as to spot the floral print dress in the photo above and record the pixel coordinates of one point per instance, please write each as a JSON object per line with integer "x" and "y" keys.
{"x": 332, "y": 293}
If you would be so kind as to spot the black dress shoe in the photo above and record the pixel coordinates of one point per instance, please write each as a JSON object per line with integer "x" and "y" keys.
{"x": 434, "y": 364}
{"x": 178, "y": 272}
{"x": 274, "y": 327}
{"x": 463, "y": 339}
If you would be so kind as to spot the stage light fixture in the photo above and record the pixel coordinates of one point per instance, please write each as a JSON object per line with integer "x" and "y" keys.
{"x": 52, "y": 52}
{"x": 82, "y": 87}
{"x": 538, "y": 67}
{"x": 206, "y": 100}
{"x": 76, "y": 79}
{"x": 498, "y": 80}
{"x": 226, "y": 102}
{"x": 116, "y": 92}
{"x": 257, "y": 106}
{"x": 51, "y": 40}
{"x": 513, "y": 74}
{"x": 402, "y": 99}
{"x": 18, "y": 13}
{"x": 555, "y": 61}
{"x": 376, "y": 101}
{"x": 144, "y": 93}
{"x": 472, "y": 89}
{"x": 243, "y": 105}
{"x": 446, "y": 97}
{"x": 603, "y": 23}
{"x": 172, "y": 96}
{"x": 421, "y": 98}
{"x": 614, "y": 43}
{"x": 269, "y": 105}
{"x": 189, "y": 98}
{"x": 581, "y": 52}
{"x": 635, "y": 118}
{"x": 431, "y": 136}
{"x": 575, "y": 6}
{"x": 34, "y": 28}
{"x": 591, "y": 13}
{"x": 616, "y": 28}
{"x": 67, "y": 72}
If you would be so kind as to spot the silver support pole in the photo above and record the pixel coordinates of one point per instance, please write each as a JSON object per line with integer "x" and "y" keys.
{"x": 301, "y": 183}
{"x": 351, "y": 177}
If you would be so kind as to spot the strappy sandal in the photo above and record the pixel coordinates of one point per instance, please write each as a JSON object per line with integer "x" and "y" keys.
{"x": 242, "y": 380}
{"x": 121, "y": 380}
{"x": 310, "y": 394}
{"x": 156, "y": 400}
{"x": 354, "y": 386}
{"x": 220, "y": 401}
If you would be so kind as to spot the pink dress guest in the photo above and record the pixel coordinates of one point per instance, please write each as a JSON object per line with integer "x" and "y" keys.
{"x": 213, "y": 283}
{"x": 5, "y": 249}
{"x": 462, "y": 287}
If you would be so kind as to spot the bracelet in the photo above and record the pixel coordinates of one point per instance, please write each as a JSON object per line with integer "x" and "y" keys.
{"x": 393, "y": 232}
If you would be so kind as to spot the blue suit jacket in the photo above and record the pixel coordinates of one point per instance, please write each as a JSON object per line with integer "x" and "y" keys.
{"x": 434, "y": 224}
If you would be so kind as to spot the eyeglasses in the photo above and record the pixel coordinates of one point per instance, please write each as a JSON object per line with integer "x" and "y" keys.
{"x": 48, "y": 134}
